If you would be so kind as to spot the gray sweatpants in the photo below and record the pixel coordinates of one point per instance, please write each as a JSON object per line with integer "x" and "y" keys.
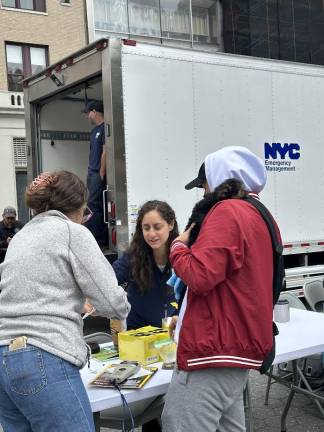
{"x": 206, "y": 400}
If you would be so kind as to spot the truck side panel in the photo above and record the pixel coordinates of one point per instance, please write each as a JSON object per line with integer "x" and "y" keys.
{"x": 180, "y": 105}
{"x": 159, "y": 133}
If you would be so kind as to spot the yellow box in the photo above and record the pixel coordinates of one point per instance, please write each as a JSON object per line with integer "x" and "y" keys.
{"x": 138, "y": 345}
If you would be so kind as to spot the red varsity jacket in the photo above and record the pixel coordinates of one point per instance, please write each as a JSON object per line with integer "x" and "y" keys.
{"x": 228, "y": 270}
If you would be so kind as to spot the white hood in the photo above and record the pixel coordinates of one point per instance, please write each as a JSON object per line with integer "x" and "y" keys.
{"x": 238, "y": 163}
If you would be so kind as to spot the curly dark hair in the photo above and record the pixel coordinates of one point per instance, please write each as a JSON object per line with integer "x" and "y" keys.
{"x": 141, "y": 254}
{"x": 230, "y": 188}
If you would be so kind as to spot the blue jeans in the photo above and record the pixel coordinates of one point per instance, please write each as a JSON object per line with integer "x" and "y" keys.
{"x": 41, "y": 392}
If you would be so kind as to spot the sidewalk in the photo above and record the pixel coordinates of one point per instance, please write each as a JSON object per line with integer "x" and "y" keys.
{"x": 303, "y": 415}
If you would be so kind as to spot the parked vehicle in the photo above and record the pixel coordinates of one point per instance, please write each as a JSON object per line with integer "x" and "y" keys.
{"x": 165, "y": 109}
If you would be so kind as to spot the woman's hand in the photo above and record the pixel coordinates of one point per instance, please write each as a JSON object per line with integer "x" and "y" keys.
{"x": 173, "y": 325}
{"x": 87, "y": 307}
{"x": 184, "y": 237}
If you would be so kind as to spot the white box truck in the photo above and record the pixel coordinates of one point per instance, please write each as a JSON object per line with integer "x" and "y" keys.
{"x": 165, "y": 109}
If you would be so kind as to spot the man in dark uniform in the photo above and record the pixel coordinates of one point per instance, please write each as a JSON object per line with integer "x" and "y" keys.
{"x": 9, "y": 226}
{"x": 96, "y": 179}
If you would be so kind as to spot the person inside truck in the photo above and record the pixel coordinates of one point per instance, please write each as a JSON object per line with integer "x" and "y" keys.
{"x": 96, "y": 178}
{"x": 9, "y": 226}
{"x": 51, "y": 267}
{"x": 226, "y": 314}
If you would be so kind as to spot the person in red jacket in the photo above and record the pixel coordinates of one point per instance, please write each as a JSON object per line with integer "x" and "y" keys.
{"x": 225, "y": 322}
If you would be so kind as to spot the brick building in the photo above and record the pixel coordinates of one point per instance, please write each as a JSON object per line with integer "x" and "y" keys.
{"x": 34, "y": 33}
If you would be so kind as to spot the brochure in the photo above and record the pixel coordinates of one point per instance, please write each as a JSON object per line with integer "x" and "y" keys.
{"x": 106, "y": 353}
{"x": 136, "y": 381}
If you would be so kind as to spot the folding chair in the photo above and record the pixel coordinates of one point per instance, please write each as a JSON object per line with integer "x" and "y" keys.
{"x": 294, "y": 301}
{"x": 99, "y": 337}
{"x": 314, "y": 294}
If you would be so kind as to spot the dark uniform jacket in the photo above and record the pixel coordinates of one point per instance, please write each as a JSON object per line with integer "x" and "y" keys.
{"x": 4, "y": 234}
{"x": 148, "y": 308}
{"x": 8, "y": 232}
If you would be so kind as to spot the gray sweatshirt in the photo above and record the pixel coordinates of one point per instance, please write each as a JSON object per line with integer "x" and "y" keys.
{"x": 52, "y": 265}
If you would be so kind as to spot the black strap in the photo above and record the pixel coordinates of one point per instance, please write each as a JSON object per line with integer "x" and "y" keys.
{"x": 277, "y": 245}
{"x": 278, "y": 265}
{"x": 278, "y": 273}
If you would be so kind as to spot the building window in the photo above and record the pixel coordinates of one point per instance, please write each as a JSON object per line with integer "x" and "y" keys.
{"x": 32, "y": 5}
{"x": 20, "y": 160}
{"x": 23, "y": 61}
{"x": 20, "y": 152}
{"x": 285, "y": 30}
{"x": 194, "y": 21}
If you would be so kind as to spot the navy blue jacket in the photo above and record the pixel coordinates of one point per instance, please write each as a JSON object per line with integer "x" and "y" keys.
{"x": 148, "y": 308}
{"x": 97, "y": 140}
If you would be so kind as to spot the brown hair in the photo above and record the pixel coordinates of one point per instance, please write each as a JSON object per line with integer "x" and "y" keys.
{"x": 141, "y": 255}
{"x": 59, "y": 190}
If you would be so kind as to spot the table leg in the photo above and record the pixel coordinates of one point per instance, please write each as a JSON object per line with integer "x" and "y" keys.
{"x": 266, "y": 401}
{"x": 286, "y": 409}
{"x": 298, "y": 378}
{"x": 290, "y": 397}
{"x": 96, "y": 419}
{"x": 309, "y": 388}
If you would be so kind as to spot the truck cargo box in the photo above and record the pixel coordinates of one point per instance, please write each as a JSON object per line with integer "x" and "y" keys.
{"x": 165, "y": 109}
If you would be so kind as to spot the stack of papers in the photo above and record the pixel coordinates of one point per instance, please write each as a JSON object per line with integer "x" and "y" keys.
{"x": 138, "y": 380}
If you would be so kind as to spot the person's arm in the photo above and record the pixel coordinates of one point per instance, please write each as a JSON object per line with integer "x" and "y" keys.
{"x": 173, "y": 325}
{"x": 217, "y": 252}
{"x": 3, "y": 240}
{"x": 95, "y": 276}
{"x": 103, "y": 162}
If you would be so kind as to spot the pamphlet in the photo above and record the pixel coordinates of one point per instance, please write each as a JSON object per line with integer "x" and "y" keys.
{"x": 136, "y": 381}
{"x": 106, "y": 353}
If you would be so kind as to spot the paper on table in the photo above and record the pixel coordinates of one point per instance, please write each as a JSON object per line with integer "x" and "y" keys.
{"x": 106, "y": 353}
{"x": 136, "y": 381}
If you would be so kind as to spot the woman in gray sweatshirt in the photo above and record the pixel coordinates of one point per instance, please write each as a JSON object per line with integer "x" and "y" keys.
{"x": 53, "y": 265}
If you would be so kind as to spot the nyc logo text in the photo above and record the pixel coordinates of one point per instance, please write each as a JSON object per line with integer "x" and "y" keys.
{"x": 280, "y": 157}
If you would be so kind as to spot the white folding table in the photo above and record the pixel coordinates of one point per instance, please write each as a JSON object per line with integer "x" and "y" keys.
{"x": 302, "y": 336}
{"x": 103, "y": 399}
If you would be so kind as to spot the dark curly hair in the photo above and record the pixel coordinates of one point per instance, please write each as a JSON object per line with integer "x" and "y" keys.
{"x": 230, "y": 188}
{"x": 141, "y": 254}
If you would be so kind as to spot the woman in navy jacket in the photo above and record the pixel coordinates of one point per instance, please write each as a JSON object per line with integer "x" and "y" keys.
{"x": 145, "y": 267}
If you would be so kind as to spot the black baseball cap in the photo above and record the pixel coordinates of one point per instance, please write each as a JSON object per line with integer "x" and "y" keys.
{"x": 199, "y": 180}
{"x": 93, "y": 105}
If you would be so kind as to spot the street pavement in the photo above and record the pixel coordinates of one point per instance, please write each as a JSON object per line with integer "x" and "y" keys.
{"x": 303, "y": 416}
